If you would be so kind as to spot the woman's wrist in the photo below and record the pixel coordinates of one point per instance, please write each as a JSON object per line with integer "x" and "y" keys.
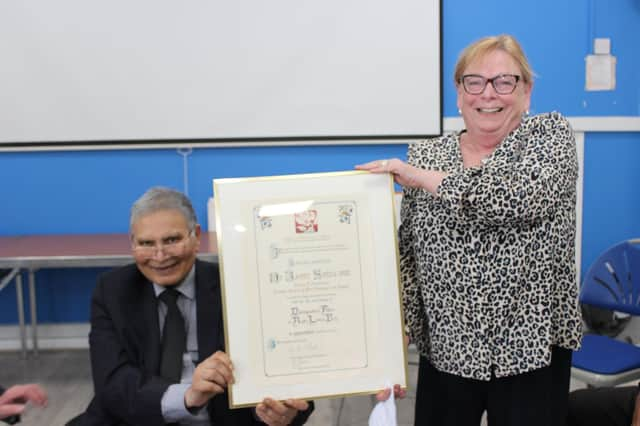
{"x": 432, "y": 180}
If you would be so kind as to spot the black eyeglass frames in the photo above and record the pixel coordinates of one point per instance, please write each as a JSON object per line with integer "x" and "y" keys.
{"x": 503, "y": 84}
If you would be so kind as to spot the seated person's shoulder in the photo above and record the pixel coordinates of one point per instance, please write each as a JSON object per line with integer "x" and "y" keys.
{"x": 118, "y": 281}
{"x": 121, "y": 273}
{"x": 209, "y": 266}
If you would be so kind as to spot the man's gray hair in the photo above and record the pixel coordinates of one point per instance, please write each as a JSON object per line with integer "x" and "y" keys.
{"x": 159, "y": 198}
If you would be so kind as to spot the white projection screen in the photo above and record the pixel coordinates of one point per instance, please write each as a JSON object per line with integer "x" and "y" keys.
{"x": 88, "y": 72}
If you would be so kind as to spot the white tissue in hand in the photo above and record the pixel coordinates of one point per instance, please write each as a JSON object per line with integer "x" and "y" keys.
{"x": 384, "y": 413}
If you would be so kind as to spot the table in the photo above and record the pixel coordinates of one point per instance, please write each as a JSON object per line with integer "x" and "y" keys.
{"x": 34, "y": 252}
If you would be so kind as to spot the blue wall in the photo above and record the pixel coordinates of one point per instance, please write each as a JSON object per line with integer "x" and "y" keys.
{"x": 611, "y": 195}
{"x": 91, "y": 191}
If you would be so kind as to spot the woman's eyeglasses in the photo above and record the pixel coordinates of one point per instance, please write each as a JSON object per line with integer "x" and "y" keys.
{"x": 503, "y": 84}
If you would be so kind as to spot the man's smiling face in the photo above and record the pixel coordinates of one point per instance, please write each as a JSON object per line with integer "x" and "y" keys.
{"x": 164, "y": 247}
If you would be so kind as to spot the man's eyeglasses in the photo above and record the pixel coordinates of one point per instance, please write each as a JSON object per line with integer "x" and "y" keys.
{"x": 170, "y": 246}
{"x": 503, "y": 84}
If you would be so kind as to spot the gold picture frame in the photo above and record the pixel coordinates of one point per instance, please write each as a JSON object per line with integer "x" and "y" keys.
{"x": 310, "y": 285}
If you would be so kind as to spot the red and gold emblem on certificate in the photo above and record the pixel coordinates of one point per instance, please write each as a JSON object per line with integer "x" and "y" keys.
{"x": 306, "y": 222}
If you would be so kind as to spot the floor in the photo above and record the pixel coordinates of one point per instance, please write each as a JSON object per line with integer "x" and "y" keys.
{"x": 67, "y": 377}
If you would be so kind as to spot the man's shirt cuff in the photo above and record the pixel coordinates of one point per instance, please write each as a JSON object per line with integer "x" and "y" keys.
{"x": 172, "y": 404}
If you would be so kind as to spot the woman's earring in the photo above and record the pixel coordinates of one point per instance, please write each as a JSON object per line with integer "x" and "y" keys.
{"x": 459, "y": 111}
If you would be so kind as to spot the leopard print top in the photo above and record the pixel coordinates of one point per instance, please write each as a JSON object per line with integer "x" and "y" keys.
{"x": 488, "y": 264}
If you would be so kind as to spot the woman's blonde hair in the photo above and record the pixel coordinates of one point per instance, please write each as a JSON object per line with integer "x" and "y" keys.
{"x": 482, "y": 47}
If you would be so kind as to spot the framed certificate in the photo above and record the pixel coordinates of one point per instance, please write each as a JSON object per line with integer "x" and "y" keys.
{"x": 310, "y": 287}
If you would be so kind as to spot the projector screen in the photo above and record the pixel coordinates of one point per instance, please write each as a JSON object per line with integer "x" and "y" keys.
{"x": 87, "y": 72}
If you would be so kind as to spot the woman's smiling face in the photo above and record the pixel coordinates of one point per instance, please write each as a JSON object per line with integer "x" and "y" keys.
{"x": 490, "y": 113}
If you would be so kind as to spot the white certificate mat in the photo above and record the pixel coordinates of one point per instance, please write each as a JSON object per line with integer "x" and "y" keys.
{"x": 310, "y": 285}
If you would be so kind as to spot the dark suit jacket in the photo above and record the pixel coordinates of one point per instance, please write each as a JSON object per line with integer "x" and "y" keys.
{"x": 125, "y": 349}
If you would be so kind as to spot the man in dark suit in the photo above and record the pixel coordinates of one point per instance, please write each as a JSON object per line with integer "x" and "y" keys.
{"x": 611, "y": 406}
{"x": 129, "y": 317}
{"x": 14, "y": 400}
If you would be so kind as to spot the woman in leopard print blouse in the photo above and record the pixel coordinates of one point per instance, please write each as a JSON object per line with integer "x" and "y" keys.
{"x": 487, "y": 251}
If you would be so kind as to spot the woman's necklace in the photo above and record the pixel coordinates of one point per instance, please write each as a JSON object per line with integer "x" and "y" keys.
{"x": 471, "y": 155}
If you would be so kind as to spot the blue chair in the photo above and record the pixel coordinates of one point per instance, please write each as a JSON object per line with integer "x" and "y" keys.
{"x": 613, "y": 283}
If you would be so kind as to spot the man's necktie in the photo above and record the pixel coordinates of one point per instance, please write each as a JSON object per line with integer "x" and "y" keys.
{"x": 174, "y": 338}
